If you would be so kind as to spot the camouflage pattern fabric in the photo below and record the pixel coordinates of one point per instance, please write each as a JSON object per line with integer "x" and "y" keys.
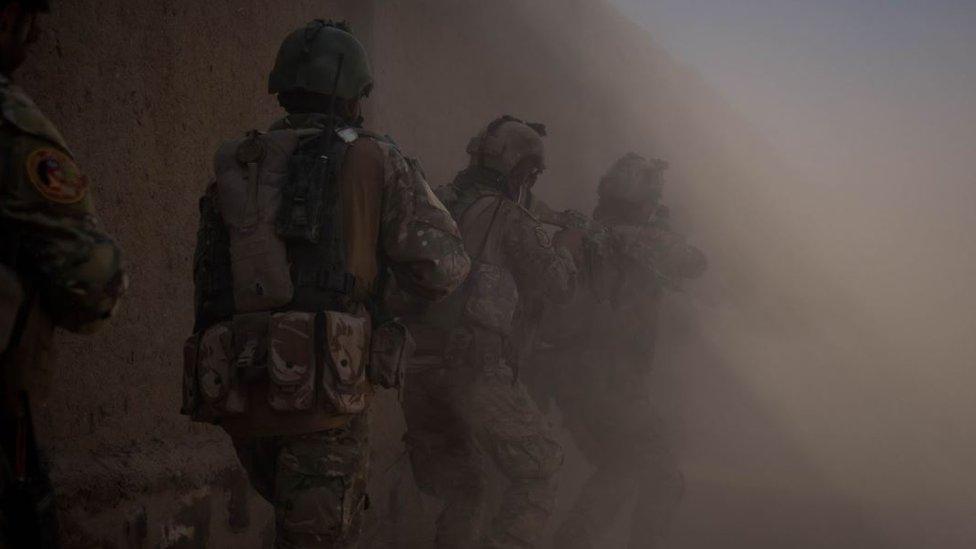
{"x": 593, "y": 365}
{"x": 312, "y": 465}
{"x": 70, "y": 276}
{"x": 316, "y": 483}
{"x": 458, "y": 420}
{"x": 52, "y": 235}
{"x": 469, "y": 408}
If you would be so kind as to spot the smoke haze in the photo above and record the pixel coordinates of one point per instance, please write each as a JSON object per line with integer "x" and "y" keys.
{"x": 870, "y": 112}
{"x": 817, "y": 381}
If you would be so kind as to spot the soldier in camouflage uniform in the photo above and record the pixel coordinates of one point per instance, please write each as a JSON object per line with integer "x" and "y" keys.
{"x": 594, "y": 357}
{"x": 463, "y": 402}
{"x": 57, "y": 269}
{"x": 298, "y": 235}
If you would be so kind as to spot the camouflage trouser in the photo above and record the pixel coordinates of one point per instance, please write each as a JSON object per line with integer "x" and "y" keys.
{"x": 28, "y": 510}
{"x": 454, "y": 419}
{"x": 618, "y": 431}
{"x": 316, "y": 483}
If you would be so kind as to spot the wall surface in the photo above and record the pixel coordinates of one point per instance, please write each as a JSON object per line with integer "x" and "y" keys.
{"x": 145, "y": 90}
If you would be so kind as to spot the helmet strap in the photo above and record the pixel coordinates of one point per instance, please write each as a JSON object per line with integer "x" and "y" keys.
{"x": 335, "y": 86}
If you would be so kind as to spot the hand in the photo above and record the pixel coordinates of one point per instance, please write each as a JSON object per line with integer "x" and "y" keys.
{"x": 571, "y": 238}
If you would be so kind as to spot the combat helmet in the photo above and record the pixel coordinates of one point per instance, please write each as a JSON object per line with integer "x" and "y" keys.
{"x": 506, "y": 142}
{"x": 633, "y": 179}
{"x": 311, "y": 57}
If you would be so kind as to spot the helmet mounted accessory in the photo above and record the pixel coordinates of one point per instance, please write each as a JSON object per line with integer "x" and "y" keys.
{"x": 504, "y": 145}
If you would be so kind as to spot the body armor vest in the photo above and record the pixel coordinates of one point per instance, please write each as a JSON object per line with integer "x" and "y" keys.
{"x": 279, "y": 332}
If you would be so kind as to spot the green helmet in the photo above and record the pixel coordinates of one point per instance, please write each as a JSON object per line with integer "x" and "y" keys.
{"x": 310, "y": 58}
{"x": 506, "y": 142}
{"x": 633, "y": 179}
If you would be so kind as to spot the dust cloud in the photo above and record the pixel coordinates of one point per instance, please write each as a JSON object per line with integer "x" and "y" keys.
{"x": 818, "y": 379}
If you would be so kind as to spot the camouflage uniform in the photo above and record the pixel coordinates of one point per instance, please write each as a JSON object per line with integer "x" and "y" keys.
{"x": 594, "y": 359}
{"x": 58, "y": 269}
{"x": 462, "y": 401}
{"x": 309, "y": 457}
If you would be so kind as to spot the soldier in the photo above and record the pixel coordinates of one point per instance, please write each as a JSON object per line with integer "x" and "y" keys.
{"x": 462, "y": 396}
{"x": 298, "y": 234}
{"x": 57, "y": 268}
{"x": 595, "y": 354}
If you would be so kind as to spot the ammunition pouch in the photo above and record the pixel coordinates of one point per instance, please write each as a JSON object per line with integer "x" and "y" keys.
{"x": 304, "y": 359}
{"x": 346, "y": 346}
{"x": 292, "y": 364}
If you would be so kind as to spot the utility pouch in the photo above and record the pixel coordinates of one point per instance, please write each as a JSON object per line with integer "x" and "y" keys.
{"x": 292, "y": 361}
{"x": 346, "y": 346}
{"x": 219, "y": 389}
{"x": 250, "y": 175}
{"x": 11, "y": 299}
{"x": 305, "y": 205}
{"x": 390, "y": 347}
{"x": 251, "y": 346}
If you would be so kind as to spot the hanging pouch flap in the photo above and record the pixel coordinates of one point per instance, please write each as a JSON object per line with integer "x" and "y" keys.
{"x": 291, "y": 364}
{"x": 391, "y": 346}
{"x": 218, "y": 388}
{"x": 214, "y": 363}
{"x": 346, "y": 346}
{"x": 251, "y": 345}
{"x": 250, "y": 175}
{"x": 190, "y": 358}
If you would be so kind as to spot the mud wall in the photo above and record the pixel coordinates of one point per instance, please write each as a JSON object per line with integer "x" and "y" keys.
{"x": 145, "y": 90}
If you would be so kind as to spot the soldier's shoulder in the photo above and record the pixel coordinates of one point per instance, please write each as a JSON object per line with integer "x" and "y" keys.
{"x": 353, "y": 135}
{"x": 519, "y": 214}
{"x": 23, "y": 118}
{"x": 382, "y": 146}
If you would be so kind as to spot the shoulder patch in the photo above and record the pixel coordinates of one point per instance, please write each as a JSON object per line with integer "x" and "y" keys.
{"x": 56, "y": 176}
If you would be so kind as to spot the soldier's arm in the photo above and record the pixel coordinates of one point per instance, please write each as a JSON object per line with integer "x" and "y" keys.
{"x": 419, "y": 238}
{"x": 541, "y": 270}
{"x": 72, "y": 265}
{"x": 661, "y": 251}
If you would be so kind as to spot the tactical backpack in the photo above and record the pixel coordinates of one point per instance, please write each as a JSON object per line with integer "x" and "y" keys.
{"x": 293, "y": 323}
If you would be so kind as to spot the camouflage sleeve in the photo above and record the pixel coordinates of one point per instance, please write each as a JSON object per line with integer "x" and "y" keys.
{"x": 664, "y": 252}
{"x": 542, "y": 271}
{"x": 419, "y": 238}
{"x": 47, "y": 208}
{"x": 213, "y": 296}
